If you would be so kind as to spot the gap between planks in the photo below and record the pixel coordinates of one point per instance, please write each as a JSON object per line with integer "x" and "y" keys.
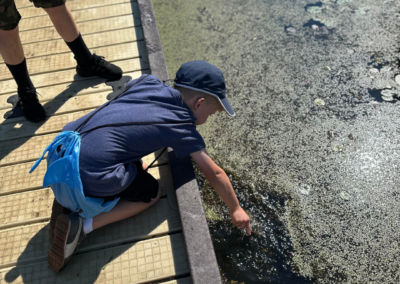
{"x": 93, "y": 41}
{"x": 31, "y": 11}
{"x": 17, "y": 243}
{"x": 83, "y": 16}
{"x": 70, "y": 77}
{"x": 101, "y": 25}
{"x": 142, "y": 262}
{"x": 62, "y": 62}
{"x": 35, "y": 206}
{"x": 17, "y": 179}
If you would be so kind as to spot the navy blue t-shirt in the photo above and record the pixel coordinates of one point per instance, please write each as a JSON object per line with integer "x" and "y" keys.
{"x": 107, "y": 154}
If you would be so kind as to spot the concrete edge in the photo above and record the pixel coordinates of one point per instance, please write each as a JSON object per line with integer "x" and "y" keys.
{"x": 200, "y": 250}
{"x": 152, "y": 38}
{"x": 199, "y": 247}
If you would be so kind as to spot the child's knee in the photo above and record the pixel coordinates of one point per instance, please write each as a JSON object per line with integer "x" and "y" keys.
{"x": 154, "y": 200}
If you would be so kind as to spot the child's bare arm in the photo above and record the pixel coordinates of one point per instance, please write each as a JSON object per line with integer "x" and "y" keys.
{"x": 220, "y": 182}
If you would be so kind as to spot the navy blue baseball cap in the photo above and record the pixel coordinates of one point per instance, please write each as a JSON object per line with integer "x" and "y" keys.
{"x": 204, "y": 77}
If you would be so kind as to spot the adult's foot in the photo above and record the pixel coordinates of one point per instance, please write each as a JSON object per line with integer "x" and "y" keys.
{"x": 99, "y": 67}
{"x": 31, "y": 108}
{"x": 68, "y": 236}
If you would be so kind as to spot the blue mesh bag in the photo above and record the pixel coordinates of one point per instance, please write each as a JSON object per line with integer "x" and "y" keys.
{"x": 63, "y": 176}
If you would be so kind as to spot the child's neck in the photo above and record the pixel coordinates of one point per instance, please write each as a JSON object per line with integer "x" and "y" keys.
{"x": 188, "y": 103}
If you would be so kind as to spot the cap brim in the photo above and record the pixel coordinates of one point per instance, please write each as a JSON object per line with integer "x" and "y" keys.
{"x": 227, "y": 106}
{"x": 224, "y": 102}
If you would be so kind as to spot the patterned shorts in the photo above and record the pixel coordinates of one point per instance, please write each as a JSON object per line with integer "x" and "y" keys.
{"x": 10, "y": 17}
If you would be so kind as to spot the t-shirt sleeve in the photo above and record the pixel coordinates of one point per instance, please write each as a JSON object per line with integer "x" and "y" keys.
{"x": 187, "y": 140}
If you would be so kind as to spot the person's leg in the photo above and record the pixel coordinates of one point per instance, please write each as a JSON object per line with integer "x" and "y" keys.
{"x": 10, "y": 46}
{"x": 143, "y": 188}
{"x": 69, "y": 232}
{"x": 13, "y": 55}
{"x": 88, "y": 64}
{"x": 63, "y": 22}
{"x": 122, "y": 210}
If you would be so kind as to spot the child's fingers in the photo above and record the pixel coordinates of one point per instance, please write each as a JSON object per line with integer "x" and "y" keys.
{"x": 245, "y": 225}
{"x": 248, "y": 228}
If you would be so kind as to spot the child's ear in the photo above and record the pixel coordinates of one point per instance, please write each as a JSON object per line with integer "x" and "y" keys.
{"x": 198, "y": 103}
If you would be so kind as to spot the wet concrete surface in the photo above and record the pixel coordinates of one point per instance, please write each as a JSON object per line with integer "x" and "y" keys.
{"x": 313, "y": 151}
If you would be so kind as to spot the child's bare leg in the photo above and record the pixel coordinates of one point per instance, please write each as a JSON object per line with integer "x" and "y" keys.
{"x": 122, "y": 210}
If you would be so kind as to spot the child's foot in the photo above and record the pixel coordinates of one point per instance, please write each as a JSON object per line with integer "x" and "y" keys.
{"x": 99, "y": 67}
{"x": 32, "y": 109}
{"x": 56, "y": 211}
{"x": 68, "y": 234}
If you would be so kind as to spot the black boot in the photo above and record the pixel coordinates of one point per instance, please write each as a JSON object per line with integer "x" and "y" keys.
{"x": 99, "y": 67}
{"x": 32, "y": 109}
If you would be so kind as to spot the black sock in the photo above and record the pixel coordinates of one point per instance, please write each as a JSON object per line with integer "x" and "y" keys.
{"x": 21, "y": 75}
{"x": 80, "y": 50}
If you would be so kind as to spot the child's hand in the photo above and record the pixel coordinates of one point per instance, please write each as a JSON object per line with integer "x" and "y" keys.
{"x": 240, "y": 219}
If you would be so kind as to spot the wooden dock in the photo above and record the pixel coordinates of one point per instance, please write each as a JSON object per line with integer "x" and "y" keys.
{"x": 147, "y": 248}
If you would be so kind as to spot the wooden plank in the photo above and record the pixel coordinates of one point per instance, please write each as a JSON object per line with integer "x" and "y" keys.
{"x": 15, "y": 127}
{"x": 32, "y": 11}
{"x": 21, "y": 4}
{"x": 73, "y": 109}
{"x": 65, "y": 61}
{"x": 24, "y": 208}
{"x": 92, "y": 41}
{"x": 80, "y": 16}
{"x": 24, "y": 150}
{"x": 30, "y": 149}
{"x": 51, "y": 125}
{"x": 30, "y": 243}
{"x": 29, "y": 207}
{"x": 141, "y": 262}
{"x": 67, "y": 90}
{"x": 70, "y": 77}
{"x": 85, "y": 28}
{"x": 16, "y": 178}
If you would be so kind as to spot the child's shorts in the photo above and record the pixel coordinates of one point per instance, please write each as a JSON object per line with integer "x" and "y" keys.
{"x": 143, "y": 188}
{"x": 10, "y": 17}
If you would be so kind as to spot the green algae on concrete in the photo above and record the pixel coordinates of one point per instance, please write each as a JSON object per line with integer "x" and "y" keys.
{"x": 278, "y": 140}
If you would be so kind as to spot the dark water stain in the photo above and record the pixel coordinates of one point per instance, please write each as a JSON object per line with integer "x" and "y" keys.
{"x": 318, "y": 4}
{"x": 263, "y": 257}
{"x": 376, "y": 63}
{"x": 376, "y": 94}
{"x": 313, "y": 22}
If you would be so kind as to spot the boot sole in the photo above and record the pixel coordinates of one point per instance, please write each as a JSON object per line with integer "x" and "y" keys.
{"x": 56, "y": 211}
{"x": 35, "y": 119}
{"x": 55, "y": 256}
{"x": 88, "y": 74}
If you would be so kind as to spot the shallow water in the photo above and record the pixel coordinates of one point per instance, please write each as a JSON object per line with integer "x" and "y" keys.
{"x": 313, "y": 152}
